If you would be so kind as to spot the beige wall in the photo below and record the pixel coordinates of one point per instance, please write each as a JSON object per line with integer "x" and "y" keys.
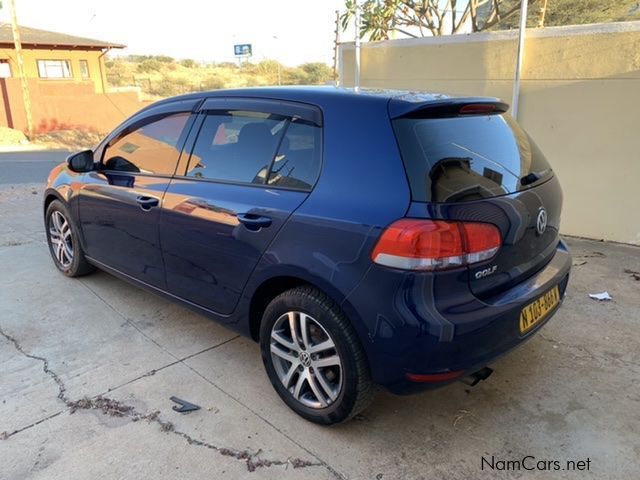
{"x": 31, "y": 56}
{"x": 580, "y": 101}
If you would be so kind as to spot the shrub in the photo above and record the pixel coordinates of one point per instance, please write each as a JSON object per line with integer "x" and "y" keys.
{"x": 226, "y": 65}
{"x": 164, "y": 58}
{"x": 295, "y": 76}
{"x": 150, "y": 65}
{"x": 163, "y": 88}
{"x": 188, "y": 63}
{"x": 212, "y": 83}
{"x": 168, "y": 86}
{"x": 317, "y": 72}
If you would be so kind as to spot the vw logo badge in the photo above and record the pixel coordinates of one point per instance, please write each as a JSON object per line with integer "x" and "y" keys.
{"x": 541, "y": 221}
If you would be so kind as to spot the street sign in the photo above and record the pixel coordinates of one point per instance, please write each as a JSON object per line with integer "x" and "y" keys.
{"x": 242, "y": 50}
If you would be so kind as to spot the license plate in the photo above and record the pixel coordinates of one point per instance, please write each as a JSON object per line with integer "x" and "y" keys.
{"x": 536, "y": 311}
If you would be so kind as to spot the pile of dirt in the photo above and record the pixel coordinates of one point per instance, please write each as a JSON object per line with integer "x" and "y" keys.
{"x": 75, "y": 139}
{"x": 9, "y": 136}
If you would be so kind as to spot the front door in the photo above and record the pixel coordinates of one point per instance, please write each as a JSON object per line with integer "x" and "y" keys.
{"x": 119, "y": 203}
{"x": 249, "y": 170}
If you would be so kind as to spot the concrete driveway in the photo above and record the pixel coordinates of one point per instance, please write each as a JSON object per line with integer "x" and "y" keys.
{"x": 87, "y": 368}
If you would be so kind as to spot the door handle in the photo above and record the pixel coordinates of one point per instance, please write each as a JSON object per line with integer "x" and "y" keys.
{"x": 253, "y": 222}
{"x": 147, "y": 203}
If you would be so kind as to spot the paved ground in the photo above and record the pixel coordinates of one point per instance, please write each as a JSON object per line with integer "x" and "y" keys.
{"x": 571, "y": 393}
{"x": 26, "y": 167}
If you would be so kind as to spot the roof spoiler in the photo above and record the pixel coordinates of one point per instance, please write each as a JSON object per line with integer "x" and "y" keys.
{"x": 449, "y": 107}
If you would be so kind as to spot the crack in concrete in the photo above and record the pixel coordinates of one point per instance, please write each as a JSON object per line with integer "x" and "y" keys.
{"x": 331, "y": 470}
{"x": 45, "y": 365}
{"x": 15, "y": 243}
{"x": 115, "y": 408}
{"x": 112, "y": 407}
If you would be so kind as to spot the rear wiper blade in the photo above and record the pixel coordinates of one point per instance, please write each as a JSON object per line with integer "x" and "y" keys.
{"x": 533, "y": 177}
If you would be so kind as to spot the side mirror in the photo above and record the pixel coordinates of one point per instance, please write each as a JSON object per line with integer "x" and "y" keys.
{"x": 81, "y": 162}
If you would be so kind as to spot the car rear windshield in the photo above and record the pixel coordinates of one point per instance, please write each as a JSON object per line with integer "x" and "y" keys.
{"x": 468, "y": 158}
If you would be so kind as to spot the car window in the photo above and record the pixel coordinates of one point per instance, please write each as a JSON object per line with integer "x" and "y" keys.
{"x": 152, "y": 148}
{"x": 297, "y": 163}
{"x": 236, "y": 146}
{"x": 466, "y": 158}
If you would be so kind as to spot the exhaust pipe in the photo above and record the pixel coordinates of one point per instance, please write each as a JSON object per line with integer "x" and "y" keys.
{"x": 476, "y": 377}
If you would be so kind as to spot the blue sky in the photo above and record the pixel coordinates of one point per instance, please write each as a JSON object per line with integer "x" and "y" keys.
{"x": 203, "y": 30}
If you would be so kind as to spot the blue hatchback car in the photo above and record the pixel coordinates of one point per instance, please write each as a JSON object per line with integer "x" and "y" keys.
{"x": 362, "y": 238}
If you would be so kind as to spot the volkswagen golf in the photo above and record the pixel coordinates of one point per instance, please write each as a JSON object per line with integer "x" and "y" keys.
{"x": 373, "y": 238}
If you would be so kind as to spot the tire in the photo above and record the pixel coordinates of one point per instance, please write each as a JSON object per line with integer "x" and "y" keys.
{"x": 325, "y": 369}
{"x": 63, "y": 241}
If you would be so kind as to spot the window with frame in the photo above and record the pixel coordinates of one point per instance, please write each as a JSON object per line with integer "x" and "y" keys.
{"x": 236, "y": 146}
{"x": 5, "y": 69}
{"x": 297, "y": 163}
{"x": 54, "y": 69}
{"x": 256, "y": 148}
{"x": 151, "y": 148}
{"x": 84, "y": 69}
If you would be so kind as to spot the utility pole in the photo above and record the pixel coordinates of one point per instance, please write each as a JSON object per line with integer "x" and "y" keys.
{"x": 516, "y": 84}
{"x": 277, "y": 39}
{"x": 26, "y": 98}
{"x": 543, "y": 11}
{"x": 336, "y": 46}
{"x": 356, "y": 83}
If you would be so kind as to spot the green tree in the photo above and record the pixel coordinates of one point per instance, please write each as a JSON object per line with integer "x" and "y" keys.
{"x": 579, "y": 12}
{"x": 417, "y": 18}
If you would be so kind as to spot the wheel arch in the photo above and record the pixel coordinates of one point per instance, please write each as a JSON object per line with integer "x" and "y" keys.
{"x": 273, "y": 286}
{"x": 265, "y": 293}
{"x": 49, "y": 196}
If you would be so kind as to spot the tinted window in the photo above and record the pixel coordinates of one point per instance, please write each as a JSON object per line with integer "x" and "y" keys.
{"x": 152, "y": 148}
{"x": 467, "y": 158}
{"x": 297, "y": 163}
{"x": 236, "y": 146}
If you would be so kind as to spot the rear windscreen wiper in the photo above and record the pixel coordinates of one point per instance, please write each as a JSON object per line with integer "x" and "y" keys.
{"x": 533, "y": 177}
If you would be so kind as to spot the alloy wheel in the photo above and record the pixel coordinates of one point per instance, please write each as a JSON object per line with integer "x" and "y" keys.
{"x": 61, "y": 239}
{"x": 306, "y": 359}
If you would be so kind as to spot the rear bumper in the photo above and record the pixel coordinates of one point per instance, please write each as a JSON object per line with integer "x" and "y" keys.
{"x": 434, "y": 325}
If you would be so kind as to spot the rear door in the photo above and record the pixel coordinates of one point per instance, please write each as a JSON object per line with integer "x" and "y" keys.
{"x": 249, "y": 165}
{"x": 120, "y": 202}
{"x": 484, "y": 168}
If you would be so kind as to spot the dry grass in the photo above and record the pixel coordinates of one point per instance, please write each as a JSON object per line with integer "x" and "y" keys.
{"x": 160, "y": 76}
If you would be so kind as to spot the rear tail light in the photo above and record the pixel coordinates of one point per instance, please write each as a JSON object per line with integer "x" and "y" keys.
{"x": 415, "y": 244}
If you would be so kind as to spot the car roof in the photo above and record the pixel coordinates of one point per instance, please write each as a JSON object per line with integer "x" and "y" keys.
{"x": 400, "y": 101}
